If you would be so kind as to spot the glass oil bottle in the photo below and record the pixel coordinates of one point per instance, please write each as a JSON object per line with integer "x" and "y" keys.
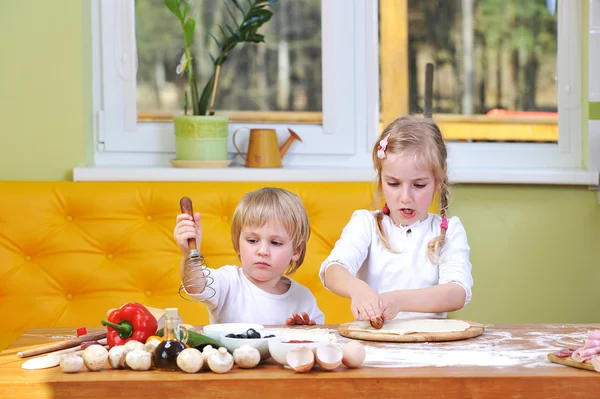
{"x": 165, "y": 354}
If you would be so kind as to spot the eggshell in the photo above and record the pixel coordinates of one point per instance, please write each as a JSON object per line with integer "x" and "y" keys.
{"x": 301, "y": 359}
{"x": 354, "y": 354}
{"x": 328, "y": 356}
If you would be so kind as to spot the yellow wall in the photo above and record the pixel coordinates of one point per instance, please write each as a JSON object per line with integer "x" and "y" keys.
{"x": 45, "y": 111}
{"x": 536, "y": 250}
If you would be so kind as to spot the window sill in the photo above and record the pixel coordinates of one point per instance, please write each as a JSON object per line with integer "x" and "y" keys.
{"x": 240, "y": 173}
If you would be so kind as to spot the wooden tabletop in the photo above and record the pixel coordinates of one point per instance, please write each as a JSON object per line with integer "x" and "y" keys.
{"x": 506, "y": 361}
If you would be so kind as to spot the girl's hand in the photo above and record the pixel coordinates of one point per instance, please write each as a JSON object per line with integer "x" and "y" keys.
{"x": 389, "y": 306}
{"x": 365, "y": 302}
{"x": 185, "y": 229}
{"x": 297, "y": 320}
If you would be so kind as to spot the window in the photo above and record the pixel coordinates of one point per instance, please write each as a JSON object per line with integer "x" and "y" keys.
{"x": 364, "y": 46}
{"x": 347, "y": 113}
{"x": 493, "y": 59}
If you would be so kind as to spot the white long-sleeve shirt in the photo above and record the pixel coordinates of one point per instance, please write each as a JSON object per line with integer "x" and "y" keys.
{"x": 360, "y": 251}
{"x": 237, "y": 300}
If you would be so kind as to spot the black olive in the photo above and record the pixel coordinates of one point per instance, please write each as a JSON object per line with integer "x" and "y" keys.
{"x": 242, "y": 336}
{"x": 231, "y": 335}
{"x": 269, "y": 336}
{"x": 256, "y": 334}
{"x": 250, "y": 333}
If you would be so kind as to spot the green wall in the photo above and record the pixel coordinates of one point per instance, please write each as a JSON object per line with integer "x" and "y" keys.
{"x": 535, "y": 249}
{"x": 535, "y": 252}
{"x": 45, "y": 109}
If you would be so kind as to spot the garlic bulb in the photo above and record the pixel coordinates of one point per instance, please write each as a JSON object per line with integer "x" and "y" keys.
{"x": 220, "y": 361}
{"x": 246, "y": 356}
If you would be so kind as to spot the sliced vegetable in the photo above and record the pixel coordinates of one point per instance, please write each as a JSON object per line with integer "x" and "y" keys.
{"x": 194, "y": 339}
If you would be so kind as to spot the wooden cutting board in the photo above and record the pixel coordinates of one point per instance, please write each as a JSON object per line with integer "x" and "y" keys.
{"x": 475, "y": 330}
{"x": 568, "y": 361}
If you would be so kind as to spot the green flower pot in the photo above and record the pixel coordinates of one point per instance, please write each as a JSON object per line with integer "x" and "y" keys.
{"x": 201, "y": 138}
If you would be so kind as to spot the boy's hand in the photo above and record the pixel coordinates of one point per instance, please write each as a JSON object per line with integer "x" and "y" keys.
{"x": 298, "y": 320}
{"x": 366, "y": 303}
{"x": 185, "y": 229}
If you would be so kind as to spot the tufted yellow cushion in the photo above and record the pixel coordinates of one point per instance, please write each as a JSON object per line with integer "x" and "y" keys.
{"x": 70, "y": 251}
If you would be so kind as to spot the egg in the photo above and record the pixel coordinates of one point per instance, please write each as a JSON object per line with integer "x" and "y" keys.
{"x": 354, "y": 354}
{"x": 328, "y": 356}
{"x": 301, "y": 359}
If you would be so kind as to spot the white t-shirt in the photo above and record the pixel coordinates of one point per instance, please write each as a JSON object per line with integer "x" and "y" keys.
{"x": 238, "y": 300}
{"x": 360, "y": 251}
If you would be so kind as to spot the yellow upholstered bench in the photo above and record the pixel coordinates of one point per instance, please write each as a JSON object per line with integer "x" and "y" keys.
{"x": 71, "y": 251}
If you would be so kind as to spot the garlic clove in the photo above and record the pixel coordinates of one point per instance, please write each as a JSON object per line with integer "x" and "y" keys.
{"x": 354, "y": 354}
{"x": 246, "y": 356}
{"x": 301, "y": 359}
{"x": 220, "y": 361}
{"x": 329, "y": 356}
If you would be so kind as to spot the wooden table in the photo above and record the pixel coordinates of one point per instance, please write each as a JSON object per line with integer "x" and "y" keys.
{"x": 507, "y": 361}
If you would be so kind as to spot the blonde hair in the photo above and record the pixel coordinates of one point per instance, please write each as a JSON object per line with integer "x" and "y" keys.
{"x": 423, "y": 136}
{"x": 269, "y": 203}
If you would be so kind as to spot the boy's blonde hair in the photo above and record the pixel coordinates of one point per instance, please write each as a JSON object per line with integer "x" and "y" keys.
{"x": 423, "y": 136}
{"x": 270, "y": 203}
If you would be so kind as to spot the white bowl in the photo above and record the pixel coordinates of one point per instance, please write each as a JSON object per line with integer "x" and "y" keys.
{"x": 214, "y": 330}
{"x": 279, "y": 348}
{"x": 262, "y": 344}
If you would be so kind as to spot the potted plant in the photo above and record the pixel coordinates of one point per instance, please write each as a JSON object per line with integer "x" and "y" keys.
{"x": 202, "y": 136}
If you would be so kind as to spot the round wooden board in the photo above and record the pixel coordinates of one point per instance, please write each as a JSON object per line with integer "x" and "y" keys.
{"x": 475, "y": 330}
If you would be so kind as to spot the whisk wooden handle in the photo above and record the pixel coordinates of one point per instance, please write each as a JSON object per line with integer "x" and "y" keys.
{"x": 186, "y": 207}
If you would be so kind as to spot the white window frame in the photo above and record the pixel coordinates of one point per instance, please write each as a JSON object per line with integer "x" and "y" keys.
{"x": 350, "y": 111}
{"x": 350, "y": 104}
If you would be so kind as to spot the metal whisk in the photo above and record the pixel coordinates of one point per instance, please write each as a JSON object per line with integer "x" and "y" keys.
{"x": 195, "y": 272}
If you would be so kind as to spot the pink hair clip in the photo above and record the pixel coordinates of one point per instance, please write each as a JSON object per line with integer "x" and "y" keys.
{"x": 382, "y": 146}
{"x": 444, "y": 224}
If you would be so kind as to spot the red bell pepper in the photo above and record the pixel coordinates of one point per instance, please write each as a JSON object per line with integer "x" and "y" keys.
{"x": 131, "y": 321}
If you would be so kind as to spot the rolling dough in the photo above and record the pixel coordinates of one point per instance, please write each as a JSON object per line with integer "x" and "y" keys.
{"x": 410, "y": 326}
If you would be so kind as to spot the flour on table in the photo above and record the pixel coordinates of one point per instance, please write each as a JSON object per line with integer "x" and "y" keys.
{"x": 495, "y": 349}
{"x": 409, "y": 326}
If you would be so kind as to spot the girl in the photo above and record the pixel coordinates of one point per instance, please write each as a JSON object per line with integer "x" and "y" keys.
{"x": 401, "y": 260}
{"x": 269, "y": 232}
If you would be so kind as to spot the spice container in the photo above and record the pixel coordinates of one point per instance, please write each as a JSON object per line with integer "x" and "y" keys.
{"x": 165, "y": 354}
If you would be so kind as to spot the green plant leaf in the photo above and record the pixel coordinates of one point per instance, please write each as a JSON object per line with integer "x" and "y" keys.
{"x": 256, "y": 38}
{"x": 205, "y": 97}
{"x": 189, "y": 28}
{"x": 231, "y": 14}
{"x": 215, "y": 39}
{"x": 239, "y": 7}
{"x": 173, "y": 6}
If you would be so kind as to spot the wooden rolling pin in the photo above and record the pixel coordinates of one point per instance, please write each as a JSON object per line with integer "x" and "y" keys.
{"x": 95, "y": 336}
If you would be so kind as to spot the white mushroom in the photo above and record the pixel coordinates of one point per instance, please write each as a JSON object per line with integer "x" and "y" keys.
{"x": 133, "y": 345}
{"x": 190, "y": 360}
{"x": 246, "y": 356}
{"x": 152, "y": 344}
{"x": 116, "y": 356}
{"x": 71, "y": 363}
{"x": 94, "y": 357}
{"x": 139, "y": 360}
{"x": 206, "y": 352}
{"x": 220, "y": 361}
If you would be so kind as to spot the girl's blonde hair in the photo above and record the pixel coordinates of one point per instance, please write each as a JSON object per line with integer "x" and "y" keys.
{"x": 281, "y": 206}
{"x": 423, "y": 136}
